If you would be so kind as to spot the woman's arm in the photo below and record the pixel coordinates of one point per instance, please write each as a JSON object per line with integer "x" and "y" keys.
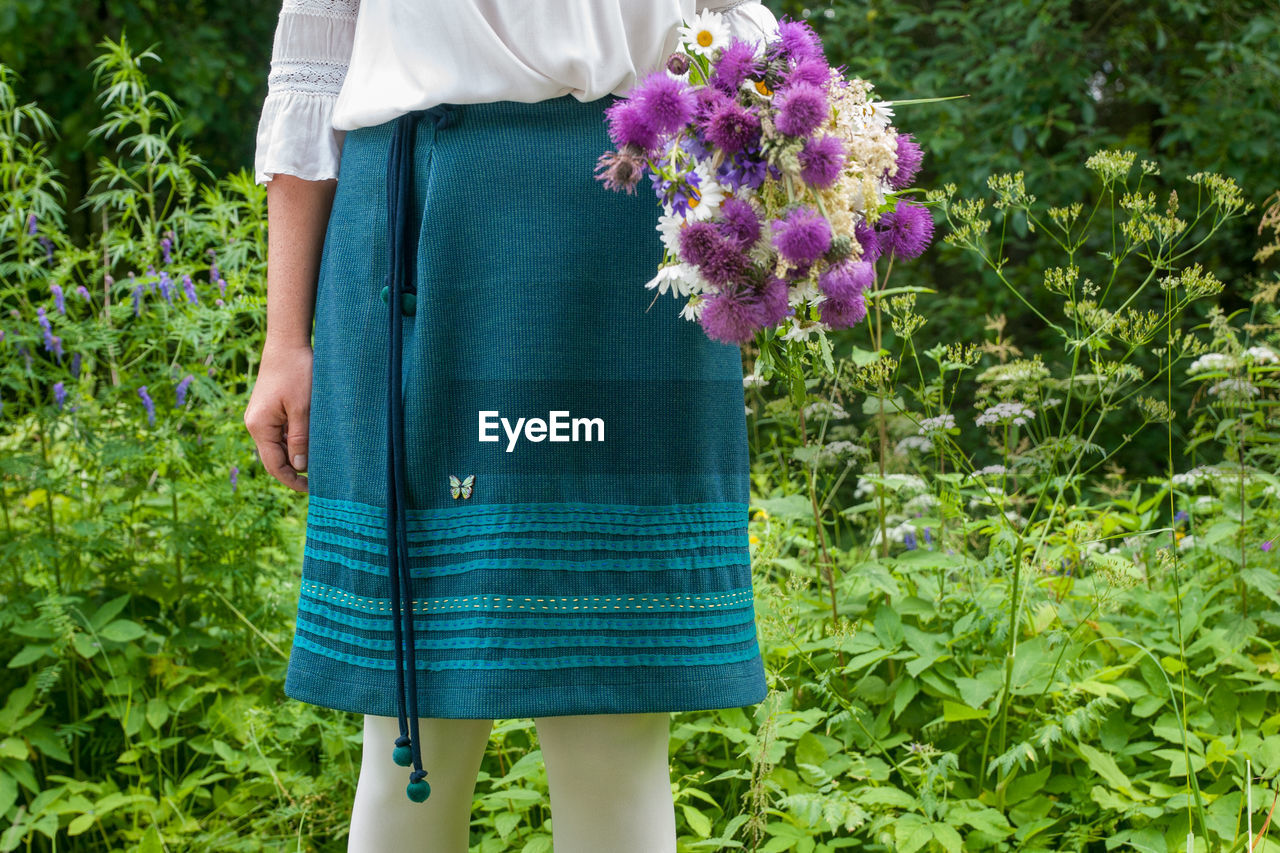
{"x": 298, "y": 155}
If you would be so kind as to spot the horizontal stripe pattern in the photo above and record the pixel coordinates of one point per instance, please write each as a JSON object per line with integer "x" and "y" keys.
{"x": 535, "y": 586}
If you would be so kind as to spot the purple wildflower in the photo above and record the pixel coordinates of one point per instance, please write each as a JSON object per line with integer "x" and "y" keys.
{"x": 166, "y": 286}
{"x": 222, "y": 287}
{"x": 802, "y": 236}
{"x": 182, "y": 390}
{"x": 906, "y": 230}
{"x": 1266, "y": 546}
{"x": 629, "y": 125}
{"x": 59, "y": 393}
{"x": 909, "y": 156}
{"x": 846, "y": 279}
{"x": 730, "y": 317}
{"x": 664, "y": 103}
{"x": 821, "y": 160}
{"x": 737, "y": 62}
{"x": 697, "y": 240}
{"x": 732, "y": 127}
{"x": 75, "y": 366}
{"x": 213, "y": 271}
{"x": 801, "y": 108}
{"x": 26, "y": 354}
{"x": 843, "y": 313}
{"x": 797, "y": 40}
{"x": 739, "y": 222}
{"x": 869, "y": 240}
{"x": 1180, "y": 516}
{"x": 83, "y": 293}
{"x": 146, "y": 401}
{"x": 31, "y": 223}
{"x": 909, "y": 539}
{"x": 810, "y": 69}
{"x": 774, "y": 307}
{"x": 189, "y": 288}
{"x": 48, "y": 246}
{"x": 59, "y": 299}
{"x": 165, "y": 244}
{"x": 928, "y": 536}
{"x": 218, "y": 302}
{"x": 619, "y": 170}
{"x": 235, "y": 472}
{"x": 137, "y": 299}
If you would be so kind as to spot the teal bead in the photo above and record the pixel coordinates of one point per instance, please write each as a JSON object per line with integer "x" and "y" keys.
{"x": 386, "y": 293}
{"x": 408, "y": 303}
{"x": 402, "y": 755}
{"x": 418, "y": 791}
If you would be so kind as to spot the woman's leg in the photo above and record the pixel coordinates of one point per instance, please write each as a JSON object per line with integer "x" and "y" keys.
{"x": 383, "y": 818}
{"x": 610, "y": 782}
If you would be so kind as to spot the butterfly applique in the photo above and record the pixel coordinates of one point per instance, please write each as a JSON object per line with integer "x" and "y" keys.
{"x": 461, "y": 488}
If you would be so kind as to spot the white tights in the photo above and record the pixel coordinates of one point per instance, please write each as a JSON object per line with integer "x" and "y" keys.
{"x": 607, "y": 775}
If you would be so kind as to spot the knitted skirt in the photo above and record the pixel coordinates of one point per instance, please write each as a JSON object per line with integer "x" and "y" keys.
{"x": 568, "y": 530}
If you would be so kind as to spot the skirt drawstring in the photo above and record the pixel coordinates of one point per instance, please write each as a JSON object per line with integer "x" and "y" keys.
{"x": 400, "y": 293}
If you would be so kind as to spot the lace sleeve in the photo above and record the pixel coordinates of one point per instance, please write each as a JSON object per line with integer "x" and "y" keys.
{"x": 309, "y": 60}
{"x": 749, "y": 20}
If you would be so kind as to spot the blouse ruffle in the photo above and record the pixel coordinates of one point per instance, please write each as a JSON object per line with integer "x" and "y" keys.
{"x": 311, "y": 52}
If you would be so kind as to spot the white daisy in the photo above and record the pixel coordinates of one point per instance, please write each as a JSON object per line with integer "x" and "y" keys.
{"x": 706, "y": 33}
{"x": 667, "y": 277}
{"x": 669, "y": 226}
{"x": 705, "y": 200}
{"x": 693, "y": 309}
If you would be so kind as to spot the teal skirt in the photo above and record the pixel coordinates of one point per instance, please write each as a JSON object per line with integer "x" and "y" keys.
{"x": 574, "y": 493}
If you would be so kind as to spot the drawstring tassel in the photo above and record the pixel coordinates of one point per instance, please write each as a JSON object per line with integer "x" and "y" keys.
{"x": 400, "y": 301}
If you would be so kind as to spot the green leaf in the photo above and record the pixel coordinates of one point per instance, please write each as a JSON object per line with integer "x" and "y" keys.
{"x": 697, "y": 821}
{"x": 29, "y": 655}
{"x": 954, "y": 712}
{"x": 122, "y": 631}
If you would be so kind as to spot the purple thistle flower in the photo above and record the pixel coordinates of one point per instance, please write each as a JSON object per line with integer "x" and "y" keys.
{"x": 83, "y": 292}
{"x": 821, "y": 160}
{"x": 182, "y": 390}
{"x": 31, "y": 223}
{"x": 774, "y": 307}
{"x": 59, "y": 393}
{"x": 846, "y": 279}
{"x": 810, "y": 69}
{"x": 909, "y": 157}
{"x": 909, "y": 539}
{"x": 75, "y": 365}
{"x": 731, "y": 127}
{"x": 663, "y": 102}
{"x": 729, "y": 317}
{"x": 801, "y": 108}
{"x": 843, "y": 313}
{"x": 802, "y": 236}
{"x": 868, "y": 240}
{"x": 235, "y": 472}
{"x": 165, "y": 244}
{"x": 629, "y": 125}
{"x": 739, "y": 222}
{"x": 59, "y": 299}
{"x": 906, "y": 230}
{"x": 189, "y": 288}
{"x": 797, "y": 40}
{"x": 737, "y": 62}
{"x": 725, "y": 264}
{"x": 619, "y": 170}
{"x": 697, "y": 240}
{"x": 146, "y": 401}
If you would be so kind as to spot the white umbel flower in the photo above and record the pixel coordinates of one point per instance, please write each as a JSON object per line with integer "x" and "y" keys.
{"x": 706, "y": 33}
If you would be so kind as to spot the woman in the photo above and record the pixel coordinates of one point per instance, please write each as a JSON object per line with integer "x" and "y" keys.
{"x": 549, "y": 519}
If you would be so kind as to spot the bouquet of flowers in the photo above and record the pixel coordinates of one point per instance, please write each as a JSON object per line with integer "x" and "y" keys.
{"x": 778, "y": 177}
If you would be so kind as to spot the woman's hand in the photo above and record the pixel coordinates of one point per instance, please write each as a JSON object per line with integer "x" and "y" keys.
{"x": 279, "y": 412}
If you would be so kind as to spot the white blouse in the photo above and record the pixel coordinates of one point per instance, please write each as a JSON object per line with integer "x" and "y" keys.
{"x": 341, "y": 64}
